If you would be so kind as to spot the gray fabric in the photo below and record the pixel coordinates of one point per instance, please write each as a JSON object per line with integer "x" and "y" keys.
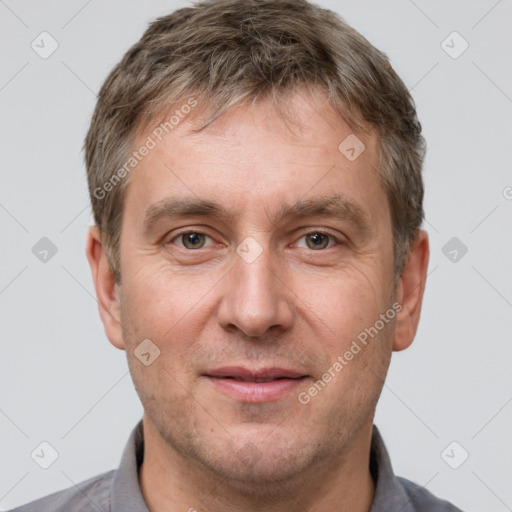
{"x": 119, "y": 490}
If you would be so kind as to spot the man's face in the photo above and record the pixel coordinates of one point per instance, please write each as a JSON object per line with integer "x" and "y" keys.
{"x": 247, "y": 247}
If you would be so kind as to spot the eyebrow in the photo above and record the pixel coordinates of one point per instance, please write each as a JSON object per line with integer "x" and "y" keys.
{"x": 173, "y": 207}
{"x": 337, "y": 206}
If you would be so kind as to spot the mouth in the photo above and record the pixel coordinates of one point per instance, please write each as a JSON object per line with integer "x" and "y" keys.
{"x": 251, "y": 385}
{"x": 269, "y": 379}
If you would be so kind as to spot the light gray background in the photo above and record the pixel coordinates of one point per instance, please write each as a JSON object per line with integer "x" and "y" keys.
{"x": 61, "y": 380}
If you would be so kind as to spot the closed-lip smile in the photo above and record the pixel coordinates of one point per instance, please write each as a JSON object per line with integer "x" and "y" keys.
{"x": 255, "y": 385}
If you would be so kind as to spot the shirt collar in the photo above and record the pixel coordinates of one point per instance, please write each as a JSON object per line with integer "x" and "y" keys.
{"x": 126, "y": 494}
{"x": 389, "y": 493}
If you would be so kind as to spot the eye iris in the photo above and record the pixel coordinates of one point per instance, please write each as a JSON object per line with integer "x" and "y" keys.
{"x": 193, "y": 240}
{"x": 317, "y": 241}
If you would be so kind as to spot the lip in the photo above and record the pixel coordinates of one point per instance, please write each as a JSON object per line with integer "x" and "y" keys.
{"x": 255, "y": 385}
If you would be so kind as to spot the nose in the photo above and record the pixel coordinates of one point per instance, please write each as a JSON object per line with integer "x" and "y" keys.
{"x": 255, "y": 298}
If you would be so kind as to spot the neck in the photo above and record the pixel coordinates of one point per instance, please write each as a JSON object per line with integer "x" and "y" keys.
{"x": 171, "y": 481}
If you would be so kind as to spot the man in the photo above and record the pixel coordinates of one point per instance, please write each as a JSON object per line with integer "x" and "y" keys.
{"x": 255, "y": 177}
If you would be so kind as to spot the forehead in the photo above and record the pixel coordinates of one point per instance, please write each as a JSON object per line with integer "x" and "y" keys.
{"x": 252, "y": 156}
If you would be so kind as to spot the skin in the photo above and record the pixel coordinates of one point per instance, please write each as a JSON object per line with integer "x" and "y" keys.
{"x": 294, "y": 306}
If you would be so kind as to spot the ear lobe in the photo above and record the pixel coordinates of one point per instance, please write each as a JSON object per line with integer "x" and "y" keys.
{"x": 107, "y": 291}
{"x": 410, "y": 292}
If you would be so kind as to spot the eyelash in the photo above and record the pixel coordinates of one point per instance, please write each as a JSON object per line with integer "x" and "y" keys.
{"x": 330, "y": 236}
{"x": 313, "y": 232}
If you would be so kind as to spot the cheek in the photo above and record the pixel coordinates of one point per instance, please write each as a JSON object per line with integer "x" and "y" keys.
{"x": 345, "y": 303}
{"x": 165, "y": 315}
{"x": 357, "y": 371}
{"x": 158, "y": 301}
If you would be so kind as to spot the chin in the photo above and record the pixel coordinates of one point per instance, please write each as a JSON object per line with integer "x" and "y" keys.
{"x": 259, "y": 458}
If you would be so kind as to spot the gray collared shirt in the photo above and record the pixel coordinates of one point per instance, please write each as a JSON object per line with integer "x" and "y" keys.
{"x": 119, "y": 490}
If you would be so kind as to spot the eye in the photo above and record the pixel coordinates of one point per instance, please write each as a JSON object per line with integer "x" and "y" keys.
{"x": 191, "y": 240}
{"x": 317, "y": 241}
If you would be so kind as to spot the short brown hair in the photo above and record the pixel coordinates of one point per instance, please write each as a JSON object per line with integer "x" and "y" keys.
{"x": 226, "y": 52}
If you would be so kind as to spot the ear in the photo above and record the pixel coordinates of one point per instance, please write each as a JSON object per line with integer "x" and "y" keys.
{"x": 107, "y": 291}
{"x": 410, "y": 291}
